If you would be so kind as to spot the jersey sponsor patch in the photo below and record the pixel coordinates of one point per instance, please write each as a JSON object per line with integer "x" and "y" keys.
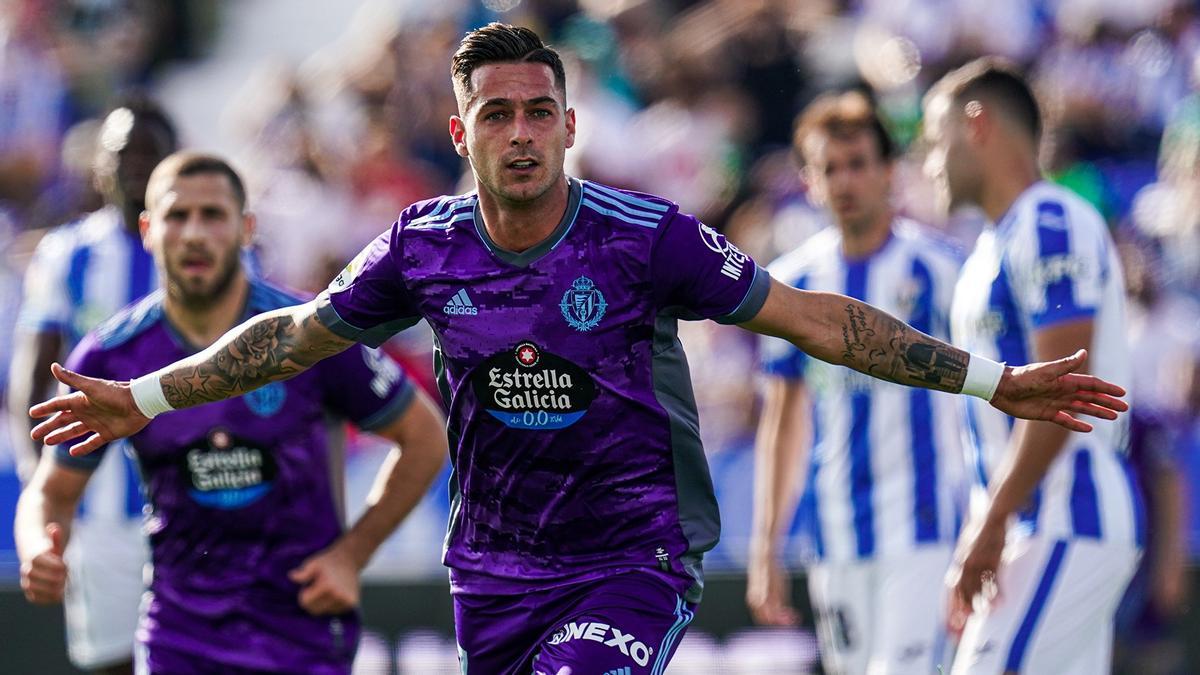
{"x": 530, "y": 388}
{"x": 735, "y": 260}
{"x": 225, "y": 472}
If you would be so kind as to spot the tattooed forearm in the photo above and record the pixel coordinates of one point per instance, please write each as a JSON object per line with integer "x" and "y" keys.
{"x": 267, "y": 348}
{"x": 882, "y": 346}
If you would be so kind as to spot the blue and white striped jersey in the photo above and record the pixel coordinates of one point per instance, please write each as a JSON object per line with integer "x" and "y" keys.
{"x": 81, "y": 273}
{"x": 1050, "y": 260}
{"x": 885, "y": 468}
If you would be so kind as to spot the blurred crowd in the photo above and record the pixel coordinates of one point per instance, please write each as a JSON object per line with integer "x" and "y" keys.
{"x": 692, "y": 99}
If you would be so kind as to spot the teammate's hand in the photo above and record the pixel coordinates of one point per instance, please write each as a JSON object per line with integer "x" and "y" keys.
{"x": 329, "y": 582}
{"x": 768, "y": 593}
{"x": 103, "y": 408}
{"x": 44, "y": 577}
{"x": 975, "y": 571}
{"x": 1051, "y": 391}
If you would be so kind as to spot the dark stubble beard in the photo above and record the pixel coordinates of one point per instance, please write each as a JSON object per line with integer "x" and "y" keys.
{"x": 202, "y": 299}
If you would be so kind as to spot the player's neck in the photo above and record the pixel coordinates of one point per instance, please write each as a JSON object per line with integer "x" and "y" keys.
{"x": 129, "y": 219}
{"x": 863, "y": 241}
{"x": 1008, "y": 180}
{"x": 201, "y": 326}
{"x": 518, "y": 228}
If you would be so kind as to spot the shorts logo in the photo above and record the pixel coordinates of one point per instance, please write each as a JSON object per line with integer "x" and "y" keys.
{"x": 600, "y": 632}
{"x": 583, "y": 305}
{"x": 266, "y": 401}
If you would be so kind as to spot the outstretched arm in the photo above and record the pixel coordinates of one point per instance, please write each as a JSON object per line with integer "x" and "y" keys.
{"x": 1033, "y": 447}
{"x": 269, "y": 347}
{"x": 848, "y": 332}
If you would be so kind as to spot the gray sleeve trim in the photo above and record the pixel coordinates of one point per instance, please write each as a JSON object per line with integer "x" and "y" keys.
{"x": 392, "y": 410}
{"x": 755, "y": 298}
{"x": 372, "y": 337}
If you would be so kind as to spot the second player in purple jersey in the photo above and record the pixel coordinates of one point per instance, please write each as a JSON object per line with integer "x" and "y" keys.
{"x": 251, "y": 568}
{"x": 241, "y": 493}
{"x": 574, "y": 430}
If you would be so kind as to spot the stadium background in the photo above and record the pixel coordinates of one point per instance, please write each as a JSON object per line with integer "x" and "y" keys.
{"x": 336, "y": 113}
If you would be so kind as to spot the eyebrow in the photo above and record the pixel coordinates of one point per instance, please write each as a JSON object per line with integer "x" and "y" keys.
{"x": 540, "y": 100}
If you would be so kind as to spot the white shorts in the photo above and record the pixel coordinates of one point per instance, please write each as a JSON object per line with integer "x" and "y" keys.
{"x": 882, "y": 617}
{"x": 1055, "y": 613}
{"x": 105, "y": 562}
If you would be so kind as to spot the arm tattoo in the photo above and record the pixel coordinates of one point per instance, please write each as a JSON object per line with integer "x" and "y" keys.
{"x": 884, "y": 347}
{"x": 269, "y": 348}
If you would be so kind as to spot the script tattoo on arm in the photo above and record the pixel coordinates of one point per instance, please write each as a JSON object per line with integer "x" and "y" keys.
{"x": 882, "y": 346}
{"x": 269, "y": 347}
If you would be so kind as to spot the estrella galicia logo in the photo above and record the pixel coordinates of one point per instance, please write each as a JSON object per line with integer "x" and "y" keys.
{"x": 530, "y": 388}
{"x": 268, "y": 400}
{"x": 583, "y": 305}
{"x": 228, "y": 473}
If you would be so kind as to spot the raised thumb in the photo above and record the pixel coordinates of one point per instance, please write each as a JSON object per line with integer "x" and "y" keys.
{"x": 55, "y": 532}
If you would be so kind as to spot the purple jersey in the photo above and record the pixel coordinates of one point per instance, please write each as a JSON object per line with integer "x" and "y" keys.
{"x": 573, "y": 429}
{"x": 241, "y": 491}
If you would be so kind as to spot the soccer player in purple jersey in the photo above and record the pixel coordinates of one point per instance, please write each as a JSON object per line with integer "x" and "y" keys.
{"x": 252, "y": 571}
{"x": 582, "y": 502}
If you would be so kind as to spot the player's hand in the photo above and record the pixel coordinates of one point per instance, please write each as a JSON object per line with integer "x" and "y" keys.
{"x": 44, "y": 577}
{"x": 329, "y": 582}
{"x": 975, "y": 571}
{"x": 102, "y": 408}
{"x": 1051, "y": 391}
{"x": 768, "y": 593}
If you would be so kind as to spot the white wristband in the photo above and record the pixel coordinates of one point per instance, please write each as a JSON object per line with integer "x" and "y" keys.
{"x": 148, "y": 395}
{"x": 983, "y": 376}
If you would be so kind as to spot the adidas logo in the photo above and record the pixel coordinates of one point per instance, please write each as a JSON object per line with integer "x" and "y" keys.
{"x": 619, "y": 671}
{"x": 460, "y": 304}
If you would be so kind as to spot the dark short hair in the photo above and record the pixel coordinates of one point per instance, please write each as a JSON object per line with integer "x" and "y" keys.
{"x": 146, "y": 110}
{"x": 501, "y": 43}
{"x": 189, "y": 163}
{"x": 842, "y": 116}
{"x": 998, "y": 81}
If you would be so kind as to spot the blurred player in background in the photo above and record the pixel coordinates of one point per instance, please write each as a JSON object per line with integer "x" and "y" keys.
{"x": 881, "y": 460}
{"x": 1056, "y": 523}
{"x": 81, "y": 274}
{"x": 582, "y": 504}
{"x": 251, "y": 568}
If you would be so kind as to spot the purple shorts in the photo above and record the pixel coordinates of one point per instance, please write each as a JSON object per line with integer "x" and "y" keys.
{"x": 627, "y": 624}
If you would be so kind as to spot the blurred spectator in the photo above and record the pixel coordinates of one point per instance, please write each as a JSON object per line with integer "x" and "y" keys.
{"x": 1164, "y": 351}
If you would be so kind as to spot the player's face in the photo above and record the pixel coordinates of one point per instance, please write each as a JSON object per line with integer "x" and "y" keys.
{"x": 515, "y": 129}
{"x": 196, "y": 231}
{"x": 129, "y": 150}
{"x": 950, "y": 162}
{"x": 849, "y": 175}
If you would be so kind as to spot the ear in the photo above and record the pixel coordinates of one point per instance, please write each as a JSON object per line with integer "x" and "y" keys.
{"x": 813, "y": 185}
{"x": 570, "y": 118}
{"x": 249, "y": 226}
{"x": 458, "y": 135}
{"x": 144, "y": 230}
{"x": 978, "y": 120}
